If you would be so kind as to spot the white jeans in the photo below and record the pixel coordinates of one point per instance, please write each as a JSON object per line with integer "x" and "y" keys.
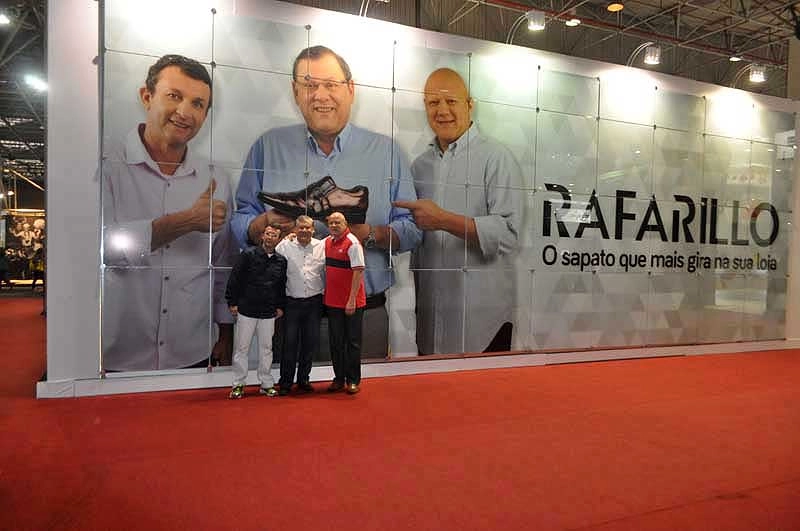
{"x": 243, "y": 334}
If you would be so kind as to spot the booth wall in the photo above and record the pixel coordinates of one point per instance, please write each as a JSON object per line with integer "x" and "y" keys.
{"x": 73, "y": 189}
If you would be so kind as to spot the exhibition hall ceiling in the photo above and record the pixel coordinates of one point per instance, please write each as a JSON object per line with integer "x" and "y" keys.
{"x": 697, "y": 39}
{"x": 22, "y": 106}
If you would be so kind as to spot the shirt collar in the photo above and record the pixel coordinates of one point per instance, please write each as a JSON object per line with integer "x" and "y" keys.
{"x": 460, "y": 145}
{"x": 342, "y": 237}
{"x": 339, "y": 144}
{"x": 136, "y": 153}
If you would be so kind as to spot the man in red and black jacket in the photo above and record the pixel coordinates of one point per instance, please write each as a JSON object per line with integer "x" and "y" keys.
{"x": 344, "y": 300}
{"x": 256, "y": 295}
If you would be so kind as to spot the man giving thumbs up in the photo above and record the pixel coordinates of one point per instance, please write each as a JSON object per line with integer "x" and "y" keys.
{"x": 165, "y": 232}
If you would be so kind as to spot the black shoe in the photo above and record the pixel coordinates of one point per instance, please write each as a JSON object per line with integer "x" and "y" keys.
{"x": 305, "y": 387}
{"x": 283, "y": 391}
{"x": 335, "y": 386}
{"x": 320, "y": 199}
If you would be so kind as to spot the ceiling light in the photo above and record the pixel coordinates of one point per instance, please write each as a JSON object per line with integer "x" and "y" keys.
{"x": 652, "y": 55}
{"x": 35, "y": 83}
{"x": 535, "y": 20}
{"x": 4, "y": 20}
{"x": 573, "y": 22}
{"x": 615, "y": 6}
{"x": 734, "y": 59}
{"x": 10, "y": 193}
{"x": 758, "y": 73}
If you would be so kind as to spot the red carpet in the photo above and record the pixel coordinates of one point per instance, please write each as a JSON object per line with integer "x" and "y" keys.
{"x": 686, "y": 443}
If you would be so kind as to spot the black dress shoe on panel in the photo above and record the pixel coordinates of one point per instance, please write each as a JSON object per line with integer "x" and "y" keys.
{"x": 320, "y": 199}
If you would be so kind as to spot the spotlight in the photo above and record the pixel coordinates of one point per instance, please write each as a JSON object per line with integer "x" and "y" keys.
{"x": 35, "y": 83}
{"x": 734, "y": 58}
{"x": 758, "y": 73}
{"x": 573, "y": 19}
{"x": 4, "y": 20}
{"x": 652, "y": 55}
{"x": 536, "y": 20}
{"x": 615, "y": 6}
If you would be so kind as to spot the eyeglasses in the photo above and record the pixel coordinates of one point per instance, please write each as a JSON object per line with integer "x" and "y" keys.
{"x": 311, "y": 84}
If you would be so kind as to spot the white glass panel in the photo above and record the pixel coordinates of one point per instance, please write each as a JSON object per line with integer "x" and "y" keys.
{"x": 624, "y": 158}
{"x": 566, "y": 152}
{"x": 561, "y": 92}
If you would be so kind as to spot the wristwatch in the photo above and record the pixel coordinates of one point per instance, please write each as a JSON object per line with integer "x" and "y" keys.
{"x": 369, "y": 243}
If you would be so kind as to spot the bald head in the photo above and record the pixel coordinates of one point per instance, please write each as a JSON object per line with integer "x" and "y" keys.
{"x": 337, "y": 224}
{"x": 448, "y": 106}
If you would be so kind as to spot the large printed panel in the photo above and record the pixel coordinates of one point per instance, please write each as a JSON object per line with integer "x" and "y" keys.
{"x": 154, "y": 27}
{"x": 157, "y": 317}
{"x": 501, "y": 206}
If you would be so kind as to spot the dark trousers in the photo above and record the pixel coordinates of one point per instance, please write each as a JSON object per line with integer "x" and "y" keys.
{"x": 345, "y": 337}
{"x": 301, "y": 329}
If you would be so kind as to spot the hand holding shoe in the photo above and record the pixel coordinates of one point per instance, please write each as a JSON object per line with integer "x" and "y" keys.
{"x": 260, "y": 222}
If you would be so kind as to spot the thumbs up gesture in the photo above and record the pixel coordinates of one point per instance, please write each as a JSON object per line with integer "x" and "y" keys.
{"x": 208, "y": 214}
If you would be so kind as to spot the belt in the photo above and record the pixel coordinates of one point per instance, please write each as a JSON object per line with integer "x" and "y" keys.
{"x": 375, "y": 301}
{"x": 301, "y": 299}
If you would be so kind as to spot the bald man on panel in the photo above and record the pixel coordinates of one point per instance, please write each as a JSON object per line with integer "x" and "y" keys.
{"x": 469, "y": 206}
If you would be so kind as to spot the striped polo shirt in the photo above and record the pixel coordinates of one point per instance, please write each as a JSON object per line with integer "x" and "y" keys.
{"x": 341, "y": 257}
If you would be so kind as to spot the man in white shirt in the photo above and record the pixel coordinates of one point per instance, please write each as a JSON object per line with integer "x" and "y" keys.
{"x": 165, "y": 231}
{"x": 304, "y": 286}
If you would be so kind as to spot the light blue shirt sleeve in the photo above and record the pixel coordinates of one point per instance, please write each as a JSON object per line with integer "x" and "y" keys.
{"x": 498, "y": 231}
{"x": 248, "y": 206}
{"x": 401, "y": 220}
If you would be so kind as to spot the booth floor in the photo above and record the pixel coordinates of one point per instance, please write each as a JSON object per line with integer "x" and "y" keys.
{"x": 690, "y": 442}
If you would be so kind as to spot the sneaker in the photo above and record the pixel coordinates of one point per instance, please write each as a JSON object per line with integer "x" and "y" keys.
{"x": 269, "y": 391}
{"x": 237, "y": 392}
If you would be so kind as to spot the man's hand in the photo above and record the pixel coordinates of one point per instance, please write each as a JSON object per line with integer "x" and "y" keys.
{"x": 222, "y": 352}
{"x": 427, "y": 214}
{"x": 169, "y": 227}
{"x": 260, "y": 222}
{"x": 430, "y": 216}
{"x": 234, "y": 310}
{"x": 278, "y": 313}
{"x": 199, "y": 211}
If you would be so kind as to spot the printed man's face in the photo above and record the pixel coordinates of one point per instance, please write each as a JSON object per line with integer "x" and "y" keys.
{"x": 448, "y": 106}
{"x": 176, "y": 109}
{"x": 323, "y": 95}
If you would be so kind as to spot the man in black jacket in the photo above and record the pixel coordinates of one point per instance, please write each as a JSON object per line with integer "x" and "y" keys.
{"x": 256, "y": 296}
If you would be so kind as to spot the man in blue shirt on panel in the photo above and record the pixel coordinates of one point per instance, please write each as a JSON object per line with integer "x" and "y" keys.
{"x": 470, "y": 190}
{"x": 343, "y": 168}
